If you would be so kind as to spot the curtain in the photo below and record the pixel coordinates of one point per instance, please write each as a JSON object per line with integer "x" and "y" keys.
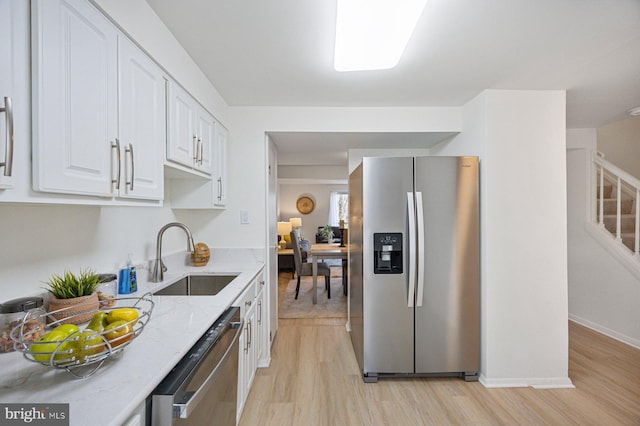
{"x": 334, "y": 212}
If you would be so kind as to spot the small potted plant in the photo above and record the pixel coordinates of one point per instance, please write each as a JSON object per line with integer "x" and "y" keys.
{"x": 326, "y": 232}
{"x": 73, "y": 297}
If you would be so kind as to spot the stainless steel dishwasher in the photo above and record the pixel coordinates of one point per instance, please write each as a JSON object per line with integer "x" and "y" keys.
{"x": 202, "y": 388}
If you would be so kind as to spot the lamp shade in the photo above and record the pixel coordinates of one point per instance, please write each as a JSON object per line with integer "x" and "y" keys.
{"x": 296, "y": 222}
{"x": 284, "y": 228}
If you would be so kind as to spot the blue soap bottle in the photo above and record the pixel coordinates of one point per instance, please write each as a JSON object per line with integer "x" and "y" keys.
{"x": 124, "y": 281}
{"x": 133, "y": 278}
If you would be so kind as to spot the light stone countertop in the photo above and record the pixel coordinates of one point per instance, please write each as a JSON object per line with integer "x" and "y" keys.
{"x": 124, "y": 381}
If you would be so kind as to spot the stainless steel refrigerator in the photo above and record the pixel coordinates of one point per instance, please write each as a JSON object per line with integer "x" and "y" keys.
{"x": 414, "y": 266}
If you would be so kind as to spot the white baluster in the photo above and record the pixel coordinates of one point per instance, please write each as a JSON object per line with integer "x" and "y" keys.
{"x": 637, "y": 222}
{"x": 618, "y": 209}
{"x": 601, "y": 201}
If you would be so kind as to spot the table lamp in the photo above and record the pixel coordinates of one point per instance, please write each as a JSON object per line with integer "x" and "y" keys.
{"x": 296, "y": 223}
{"x": 283, "y": 229}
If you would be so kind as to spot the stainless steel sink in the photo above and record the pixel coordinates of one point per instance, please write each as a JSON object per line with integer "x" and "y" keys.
{"x": 197, "y": 285}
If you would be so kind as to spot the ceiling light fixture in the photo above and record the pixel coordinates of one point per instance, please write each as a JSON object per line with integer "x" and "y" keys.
{"x": 372, "y": 34}
{"x": 634, "y": 111}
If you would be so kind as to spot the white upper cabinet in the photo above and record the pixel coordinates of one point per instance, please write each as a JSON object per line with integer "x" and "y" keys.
{"x": 75, "y": 97}
{"x": 182, "y": 141}
{"x": 209, "y": 193}
{"x": 207, "y": 128}
{"x": 142, "y": 136}
{"x": 15, "y": 152}
{"x": 98, "y": 106}
{"x": 191, "y": 131}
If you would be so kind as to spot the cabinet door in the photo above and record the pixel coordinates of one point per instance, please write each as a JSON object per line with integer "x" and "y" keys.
{"x": 264, "y": 345}
{"x": 220, "y": 198}
{"x": 141, "y": 125}
{"x": 260, "y": 326}
{"x": 181, "y": 146}
{"x": 205, "y": 141}
{"x": 74, "y": 56}
{"x": 15, "y": 151}
{"x": 247, "y": 363}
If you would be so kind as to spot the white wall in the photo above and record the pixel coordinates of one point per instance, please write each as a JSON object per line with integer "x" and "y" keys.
{"x": 356, "y": 155}
{"x": 603, "y": 294}
{"x": 519, "y": 136}
{"x": 312, "y": 173}
{"x": 620, "y": 143}
{"x": 137, "y": 19}
{"x": 288, "y": 196}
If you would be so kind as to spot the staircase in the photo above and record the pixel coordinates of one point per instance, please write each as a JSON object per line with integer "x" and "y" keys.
{"x": 616, "y": 205}
{"x": 627, "y": 213}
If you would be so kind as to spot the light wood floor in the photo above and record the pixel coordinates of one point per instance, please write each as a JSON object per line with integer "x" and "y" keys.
{"x": 313, "y": 380}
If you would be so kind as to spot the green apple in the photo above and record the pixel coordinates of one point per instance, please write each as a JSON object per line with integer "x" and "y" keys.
{"x": 46, "y": 345}
{"x": 67, "y": 329}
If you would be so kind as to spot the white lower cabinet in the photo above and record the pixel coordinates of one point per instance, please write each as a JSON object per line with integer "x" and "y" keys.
{"x": 262, "y": 320}
{"x": 252, "y": 338}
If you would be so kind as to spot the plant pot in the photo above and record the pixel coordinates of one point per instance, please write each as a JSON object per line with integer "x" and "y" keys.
{"x": 73, "y": 311}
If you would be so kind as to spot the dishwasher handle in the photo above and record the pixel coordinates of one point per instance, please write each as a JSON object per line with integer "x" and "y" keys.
{"x": 182, "y": 410}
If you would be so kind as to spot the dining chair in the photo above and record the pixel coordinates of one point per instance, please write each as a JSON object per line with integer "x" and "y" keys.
{"x": 306, "y": 269}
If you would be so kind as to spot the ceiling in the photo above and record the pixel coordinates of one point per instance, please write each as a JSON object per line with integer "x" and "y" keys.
{"x": 265, "y": 53}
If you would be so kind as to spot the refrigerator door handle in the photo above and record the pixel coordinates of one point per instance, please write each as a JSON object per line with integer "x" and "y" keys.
{"x": 412, "y": 249}
{"x": 421, "y": 254}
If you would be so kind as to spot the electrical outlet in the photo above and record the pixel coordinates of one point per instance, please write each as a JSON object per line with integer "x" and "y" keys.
{"x": 244, "y": 217}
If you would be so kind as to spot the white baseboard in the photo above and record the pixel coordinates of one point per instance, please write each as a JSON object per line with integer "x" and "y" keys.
{"x": 536, "y": 383}
{"x": 606, "y": 331}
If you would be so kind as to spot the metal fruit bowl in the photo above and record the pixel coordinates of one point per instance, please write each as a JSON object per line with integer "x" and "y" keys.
{"x": 83, "y": 352}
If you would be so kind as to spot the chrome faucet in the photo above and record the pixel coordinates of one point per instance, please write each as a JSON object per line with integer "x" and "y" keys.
{"x": 157, "y": 273}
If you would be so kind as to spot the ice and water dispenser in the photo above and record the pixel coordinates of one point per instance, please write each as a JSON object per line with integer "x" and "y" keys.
{"x": 387, "y": 253}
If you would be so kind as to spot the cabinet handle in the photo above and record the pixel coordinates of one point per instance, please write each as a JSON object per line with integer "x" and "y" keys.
{"x": 250, "y": 333}
{"x": 201, "y": 145}
{"x": 8, "y": 149}
{"x": 259, "y": 311}
{"x": 195, "y": 149}
{"x": 129, "y": 150}
{"x": 246, "y": 337}
{"x": 220, "y": 189}
{"x": 116, "y": 145}
{"x": 247, "y": 303}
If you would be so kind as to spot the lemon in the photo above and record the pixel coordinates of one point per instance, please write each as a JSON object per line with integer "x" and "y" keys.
{"x": 122, "y": 314}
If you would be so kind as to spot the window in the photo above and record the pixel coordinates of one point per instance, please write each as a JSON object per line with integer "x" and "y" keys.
{"x": 338, "y": 208}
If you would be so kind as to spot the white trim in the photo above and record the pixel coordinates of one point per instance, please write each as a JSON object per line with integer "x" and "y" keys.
{"x": 536, "y": 383}
{"x": 619, "y": 251}
{"x": 606, "y": 331}
{"x": 312, "y": 181}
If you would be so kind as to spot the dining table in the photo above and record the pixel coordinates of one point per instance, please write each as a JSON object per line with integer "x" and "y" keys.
{"x": 326, "y": 251}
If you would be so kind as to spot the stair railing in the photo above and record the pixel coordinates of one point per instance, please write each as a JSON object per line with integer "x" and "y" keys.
{"x": 619, "y": 178}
